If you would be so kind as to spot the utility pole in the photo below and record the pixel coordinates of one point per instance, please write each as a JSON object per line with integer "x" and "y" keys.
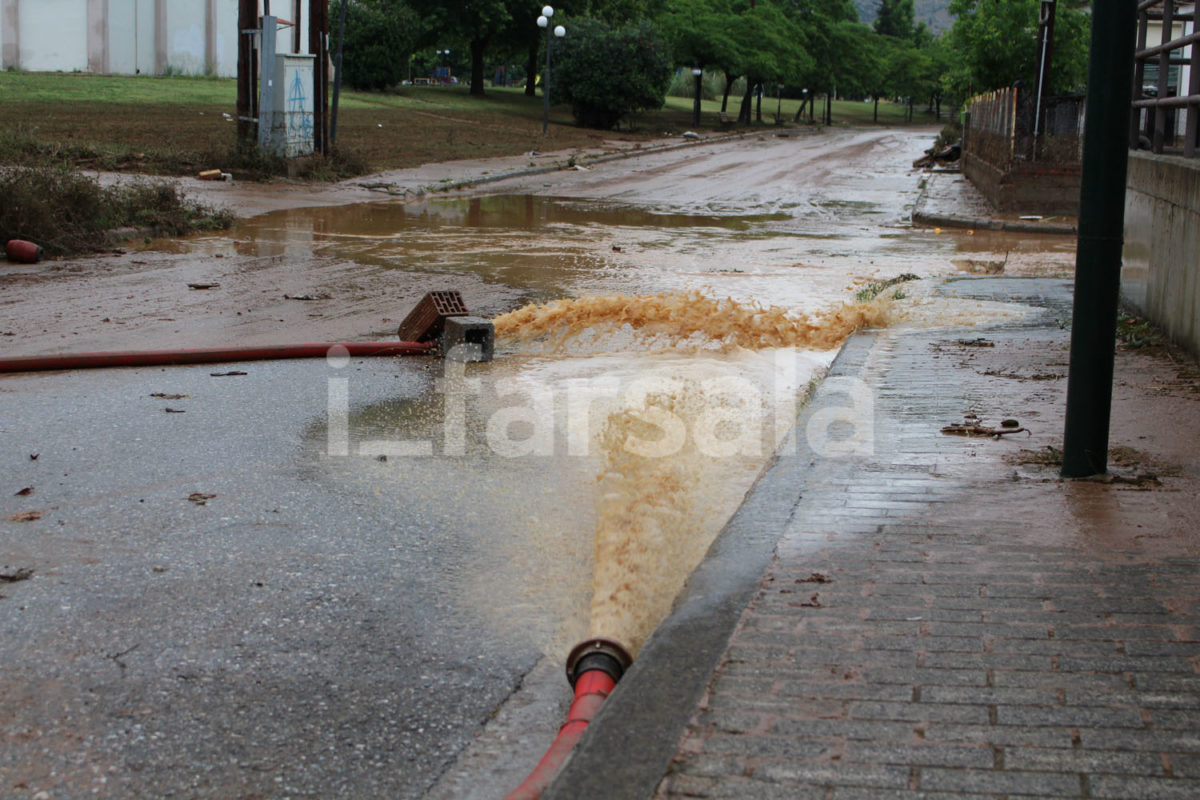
{"x": 1045, "y": 58}
{"x": 337, "y": 71}
{"x": 247, "y": 21}
{"x": 1098, "y": 252}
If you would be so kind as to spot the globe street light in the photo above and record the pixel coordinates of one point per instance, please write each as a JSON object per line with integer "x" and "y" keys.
{"x": 544, "y": 22}
{"x": 697, "y": 73}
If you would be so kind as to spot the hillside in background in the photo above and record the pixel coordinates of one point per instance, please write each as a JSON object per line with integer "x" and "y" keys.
{"x": 933, "y": 13}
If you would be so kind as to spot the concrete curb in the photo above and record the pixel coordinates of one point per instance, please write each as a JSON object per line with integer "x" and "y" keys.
{"x": 922, "y": 217}
{"x": 991, "y": 224}
{"x": 468, "y": 183}
{"x": 628, "y": 748}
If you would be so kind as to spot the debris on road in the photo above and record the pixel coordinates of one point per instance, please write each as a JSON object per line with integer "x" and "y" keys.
{"x": 23, "y": 252}
{"x": 200, "y": 498}
{"x": 168, "y": 396}
{"x": 28, "y": 490}
{"x": 170, "y": 410}
{"x": 20, "y": 574}
{"x": 226, "y": 374}
{"x": 982, "y": 430}
{"x": 25, "y": 516}
{"x": 204, "y": 285}
{"x": 321, "y": 296}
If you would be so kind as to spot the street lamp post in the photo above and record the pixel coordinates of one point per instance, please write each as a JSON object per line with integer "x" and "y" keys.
{"x": 544, "y": 22}
{"x": 698, "y": 74}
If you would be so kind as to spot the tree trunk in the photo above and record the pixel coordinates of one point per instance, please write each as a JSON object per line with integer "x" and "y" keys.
{"x": 745, "y": 109}
{"x": 531, "y": 66}
{"x": 829, "y": 108}
{"x": 938, "y": 107}
{"x": 758, "y": 93}
{"x": 800, "y": 110}
{"x": 875, "y": 118}
{"x": 477, "y": 48}
{"x": 729, "y": 79}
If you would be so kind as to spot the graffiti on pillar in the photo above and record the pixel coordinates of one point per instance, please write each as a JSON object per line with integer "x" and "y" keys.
{"x": 299, "y": 117}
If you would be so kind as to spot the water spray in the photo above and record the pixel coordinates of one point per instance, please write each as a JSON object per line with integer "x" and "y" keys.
{"x": 593, "y": 668}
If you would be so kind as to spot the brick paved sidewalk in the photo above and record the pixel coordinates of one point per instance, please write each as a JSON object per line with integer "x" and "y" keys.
{"x": 942, "y": 620}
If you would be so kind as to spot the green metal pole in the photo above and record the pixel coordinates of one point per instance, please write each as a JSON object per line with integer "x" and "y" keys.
{"x": 1098, "y": 251}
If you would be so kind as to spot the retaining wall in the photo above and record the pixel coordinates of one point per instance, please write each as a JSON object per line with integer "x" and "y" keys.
{"x": 1025, "y": 188}
{"x": 1160, "y": 275}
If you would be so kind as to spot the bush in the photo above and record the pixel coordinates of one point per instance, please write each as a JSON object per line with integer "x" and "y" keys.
{"x": 607, "y": 74}
{"x": 67, "y": 212}
{"x": 379, "y": 39}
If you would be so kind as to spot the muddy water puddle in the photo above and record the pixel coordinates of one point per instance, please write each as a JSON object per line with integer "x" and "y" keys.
{"x": 801, "y": 251}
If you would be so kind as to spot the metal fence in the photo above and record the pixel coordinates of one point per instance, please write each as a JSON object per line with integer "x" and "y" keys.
{"x": 1000, "y": 129}
{"x": 1166, "y": 78}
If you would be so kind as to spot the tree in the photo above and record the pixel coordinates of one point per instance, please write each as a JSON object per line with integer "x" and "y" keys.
{"x": 996, "y": 45}
{"x": 895, "y": 19}
{"x": 380, "y": 35}
{"x": 474, "y": 22}
{"x": 608, "y": 73}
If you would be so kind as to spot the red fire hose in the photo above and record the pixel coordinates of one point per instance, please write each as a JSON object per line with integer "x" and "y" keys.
{"x": 206, "y": 355}
{"x": 594, "y": 667}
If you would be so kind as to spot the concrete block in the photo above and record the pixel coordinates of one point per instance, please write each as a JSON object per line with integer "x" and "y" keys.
{"x": 468, "y": 339}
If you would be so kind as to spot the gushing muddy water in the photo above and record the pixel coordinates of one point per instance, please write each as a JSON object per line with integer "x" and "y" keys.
{"x": 679, "y": 446}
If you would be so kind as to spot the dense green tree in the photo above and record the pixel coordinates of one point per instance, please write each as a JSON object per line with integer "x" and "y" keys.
{"x": 380, "y": 36}
{"x": 607, "y": 73}
{"x": 895, "y": 19}
{"x": 996, "y": 45}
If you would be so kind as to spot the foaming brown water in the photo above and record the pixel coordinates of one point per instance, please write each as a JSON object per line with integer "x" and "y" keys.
{"x": 652, "y": 515}
{"x": 675, "y": 318}
{"x": 662, "y": 495}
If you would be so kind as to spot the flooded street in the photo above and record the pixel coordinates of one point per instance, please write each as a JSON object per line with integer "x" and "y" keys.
{"x": 392, "y": 551}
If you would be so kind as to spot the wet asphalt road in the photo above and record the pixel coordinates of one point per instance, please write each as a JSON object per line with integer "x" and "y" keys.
{"x": 298, "y": 635}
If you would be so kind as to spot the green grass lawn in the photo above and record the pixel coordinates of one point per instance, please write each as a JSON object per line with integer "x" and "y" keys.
{"x": 176, "y": 125}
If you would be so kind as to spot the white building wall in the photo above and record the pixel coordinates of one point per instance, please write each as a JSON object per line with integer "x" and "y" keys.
{"x": 227, "y": 37}
{"x": 185, "y": 37}
{"x": 54, "y": 35}
{"x": 122, "y": 36}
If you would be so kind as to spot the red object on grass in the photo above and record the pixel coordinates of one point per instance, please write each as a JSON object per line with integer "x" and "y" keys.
{"x": 23, "y": 251}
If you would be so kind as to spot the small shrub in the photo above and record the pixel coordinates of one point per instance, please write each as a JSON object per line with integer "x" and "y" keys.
{"x": 607, "y": 74}
{"x": 66, "y": 212}
{"x": 949, "y": 135}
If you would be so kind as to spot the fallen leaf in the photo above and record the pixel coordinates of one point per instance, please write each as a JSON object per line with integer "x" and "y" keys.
{"x": 204, "y": 285}
{"x": 174, "y": 410}
{"x": 25, "y": 516}
{"x": 226, "y": 374}
{"x": 200, "y": 498}
{"x": 28, "y": 490}
{"x": 167, "y": 396}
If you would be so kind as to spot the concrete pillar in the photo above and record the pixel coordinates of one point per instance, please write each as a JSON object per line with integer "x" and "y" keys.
{"x": 210, "y": 37}
{"x": 97, "y": 36}
{"x": 160, "y": 36}
{"x": 10, "y": 46}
